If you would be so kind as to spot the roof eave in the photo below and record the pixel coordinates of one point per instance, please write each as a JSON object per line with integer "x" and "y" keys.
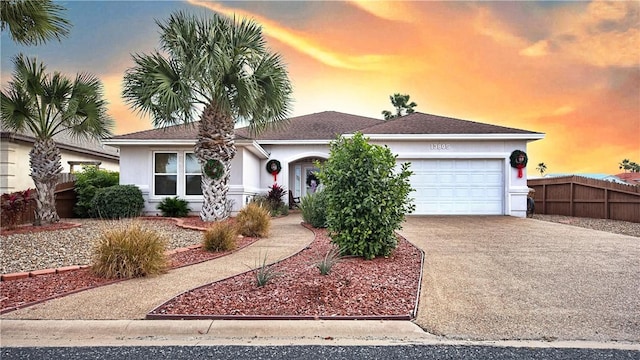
{"x": 62, "y": 146}
{"x": 141, "y": 142}
{"x": 252, "y": 145}
{"x": 527, "y": 136}
{"x": 294, "y": 142}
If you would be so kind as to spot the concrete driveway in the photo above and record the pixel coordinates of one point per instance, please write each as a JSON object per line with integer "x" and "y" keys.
{"x": 500, "y": 277}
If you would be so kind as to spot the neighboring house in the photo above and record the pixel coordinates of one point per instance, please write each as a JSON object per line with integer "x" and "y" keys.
{"x": 460, "y": 167}
{"x": 631, "y": 178}
{"x": 14, "y": 157}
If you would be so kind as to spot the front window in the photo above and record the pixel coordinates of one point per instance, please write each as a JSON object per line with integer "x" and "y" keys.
{"x": 192, "y": 175}
{"x": 165, "y": 173}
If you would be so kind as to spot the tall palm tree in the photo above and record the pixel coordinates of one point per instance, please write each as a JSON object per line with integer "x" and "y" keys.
{"x": 542, "y": 168}
{"x": 402, "y": 104}
{"x": 33, "y": 22}
{"x": 46, "y": 105}
{"x": 216, "y": 70}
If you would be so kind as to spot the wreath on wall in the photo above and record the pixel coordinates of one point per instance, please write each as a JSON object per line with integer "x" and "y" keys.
{"x": 274, "y": 167}
{"x": 519, "y": 161}
{"x": 214, "y": 168}
{"x": 310, "y": 177}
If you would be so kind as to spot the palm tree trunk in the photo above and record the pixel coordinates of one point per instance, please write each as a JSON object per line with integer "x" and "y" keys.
{"x": 215, "y": 142}
{"x": 44, "y": 160}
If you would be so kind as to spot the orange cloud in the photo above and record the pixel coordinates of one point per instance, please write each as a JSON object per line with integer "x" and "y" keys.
{"x": 388, "y": 10}
{"x": 304, "y": 43}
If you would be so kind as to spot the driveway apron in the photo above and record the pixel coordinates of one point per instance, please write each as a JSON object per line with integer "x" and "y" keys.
{"x": 499, "y": 277}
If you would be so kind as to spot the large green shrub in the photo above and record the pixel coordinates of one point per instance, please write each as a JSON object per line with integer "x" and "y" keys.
{"x": 119, "y": 201}
{"x": 87, "y": 183}
{"x": 314, "y": 209}
{"x": 174, "y": 207}
{"x": 367, "y": 196}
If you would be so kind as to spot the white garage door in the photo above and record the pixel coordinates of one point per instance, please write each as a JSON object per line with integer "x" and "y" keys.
{"x": 458, "y": 186}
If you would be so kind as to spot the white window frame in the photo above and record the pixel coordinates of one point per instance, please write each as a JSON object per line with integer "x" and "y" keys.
{"x": 181, "y": 174}
{"x": 185, "y": 174}
{"x": 154, "y": 173}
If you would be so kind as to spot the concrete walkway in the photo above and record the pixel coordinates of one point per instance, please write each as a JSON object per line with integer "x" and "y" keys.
{"x": 133, "y": 299}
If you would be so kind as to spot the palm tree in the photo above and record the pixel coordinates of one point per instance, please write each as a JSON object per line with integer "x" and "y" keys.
{"x": 401, "y": 103}
{"x": 216, "y": 70}
{"x": 33, "y": 22}
{"x": 542, "y": 168}
{"x": 46, "y": 105}
{"x": 628, "y": 165}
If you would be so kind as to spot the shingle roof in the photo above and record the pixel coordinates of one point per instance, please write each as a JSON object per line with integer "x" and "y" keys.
{"x": 420, "y": 123}
{"x": 67, "y": 141}
{"x": 326, "y": 125}
{"x": 176, "y": 132}
{"x": 319, "y": 126}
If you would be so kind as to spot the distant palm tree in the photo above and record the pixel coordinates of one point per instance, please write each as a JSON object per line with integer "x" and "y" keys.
{"x": 402, "y": 104}
{"x": 33, "y": 22}
{"x": 542, "y": 168}
{"x": 628, "y": 165}
{"x": 46, "y": 105}
{"x": 219, "y": 71}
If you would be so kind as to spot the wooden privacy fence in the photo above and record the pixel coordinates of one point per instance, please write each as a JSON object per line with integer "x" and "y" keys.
{"x": 65, "y": 201}
{"x": 583, "y": 197}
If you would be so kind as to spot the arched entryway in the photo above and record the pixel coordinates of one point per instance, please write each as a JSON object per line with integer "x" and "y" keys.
{"x": 302, "y": 180}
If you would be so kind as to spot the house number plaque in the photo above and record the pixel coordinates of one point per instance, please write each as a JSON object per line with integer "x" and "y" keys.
{"x": 440, "y": 146}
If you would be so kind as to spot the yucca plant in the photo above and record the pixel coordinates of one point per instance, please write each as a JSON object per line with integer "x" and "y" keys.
{"x": 129, "y": 251}
{"x": 221, "y": 236}
{"x": 326, "y": 263}
{"x": 264, "y": 273}
{"x": 254, "y": 220}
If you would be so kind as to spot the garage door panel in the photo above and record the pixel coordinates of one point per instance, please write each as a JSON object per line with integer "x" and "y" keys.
{"x": 458, "y": 186}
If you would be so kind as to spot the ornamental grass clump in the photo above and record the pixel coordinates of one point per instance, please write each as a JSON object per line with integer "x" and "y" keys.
{"x": 254, "y": 220}
{"x": 314, "y": 209}
{"x": 129, "y": 251}
{"x": 221, "y": 236}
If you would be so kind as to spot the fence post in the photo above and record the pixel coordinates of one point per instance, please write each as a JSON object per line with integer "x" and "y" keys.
{"x": 606, "y": 203}
{"x": 571, "y": 198}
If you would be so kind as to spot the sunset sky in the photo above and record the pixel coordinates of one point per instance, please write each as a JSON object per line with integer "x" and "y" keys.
{"x": 568, "y": 69}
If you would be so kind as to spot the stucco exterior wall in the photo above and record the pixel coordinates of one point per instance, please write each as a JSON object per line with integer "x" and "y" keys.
{"x": 137, "y": 169}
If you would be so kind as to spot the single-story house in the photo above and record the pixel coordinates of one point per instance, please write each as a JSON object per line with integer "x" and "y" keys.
{"x": 460, "y": 166}
{"x": 14, "y": 157}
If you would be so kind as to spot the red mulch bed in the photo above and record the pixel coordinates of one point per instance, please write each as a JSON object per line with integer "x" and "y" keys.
{"x": 382, "y": 287}
{"x": 20, "y": 293}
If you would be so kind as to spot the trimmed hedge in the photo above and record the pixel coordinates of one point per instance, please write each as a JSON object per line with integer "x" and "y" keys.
{"x": 116, "y": 202}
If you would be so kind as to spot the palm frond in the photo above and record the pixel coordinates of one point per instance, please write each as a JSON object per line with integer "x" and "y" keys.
{"x": 33, "y": 22}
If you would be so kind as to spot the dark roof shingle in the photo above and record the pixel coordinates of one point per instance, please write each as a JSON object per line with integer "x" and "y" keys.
{"x": 328, "y": 124}
{"x": 420, "y": 123}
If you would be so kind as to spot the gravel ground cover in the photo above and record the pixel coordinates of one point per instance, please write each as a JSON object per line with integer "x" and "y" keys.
{"x": 612, "y": 226}
{"x": 35, "y": 250}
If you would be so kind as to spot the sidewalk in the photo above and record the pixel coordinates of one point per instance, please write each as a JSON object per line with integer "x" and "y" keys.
{"x": 133, "y": 299}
